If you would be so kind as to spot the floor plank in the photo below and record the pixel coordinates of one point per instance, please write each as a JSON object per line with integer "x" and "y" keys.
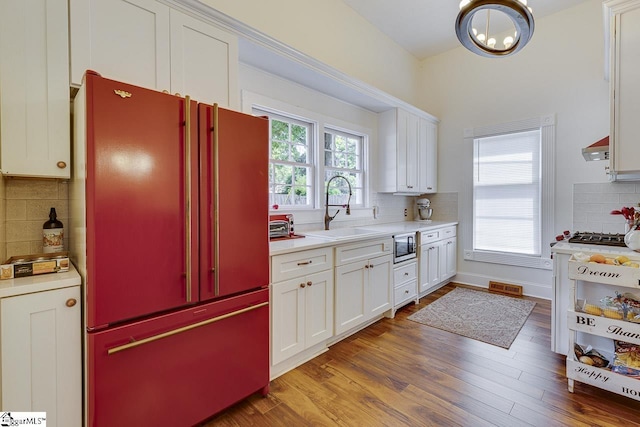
{"x": 402, "y": 373}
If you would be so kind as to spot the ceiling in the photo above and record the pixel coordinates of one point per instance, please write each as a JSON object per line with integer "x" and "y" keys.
{"x": 426, "y": 27}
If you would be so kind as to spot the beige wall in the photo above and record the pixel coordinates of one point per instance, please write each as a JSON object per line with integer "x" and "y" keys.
{"x": 560, "y": 72}
{"x": 333, "y": 33}
{"x": 26, "y": 205}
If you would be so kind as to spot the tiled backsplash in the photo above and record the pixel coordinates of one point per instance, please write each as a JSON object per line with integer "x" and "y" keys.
{"x": 445, "y": 206}
{"x": 26, "y": 207}
{"x": 593, "y": 203}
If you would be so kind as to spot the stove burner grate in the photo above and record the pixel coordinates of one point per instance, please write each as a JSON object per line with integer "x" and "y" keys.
{"x": 609, "y": 239}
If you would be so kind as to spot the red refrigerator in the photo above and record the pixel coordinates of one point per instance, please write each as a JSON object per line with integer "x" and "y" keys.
{"x": 170, "y": 234}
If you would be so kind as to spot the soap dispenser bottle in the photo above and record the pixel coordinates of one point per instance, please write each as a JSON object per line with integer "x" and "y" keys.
{"x": 52, "y": 234}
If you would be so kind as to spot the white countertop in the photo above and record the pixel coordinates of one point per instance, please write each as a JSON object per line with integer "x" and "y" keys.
{"x": 386, "y": 230}
{"x": 410, "y": 226}
{"x": 571, "y": 248}
{"x": 39, "y": 283}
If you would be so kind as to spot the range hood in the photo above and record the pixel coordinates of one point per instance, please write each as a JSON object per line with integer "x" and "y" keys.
{"x": 597, "y": 151}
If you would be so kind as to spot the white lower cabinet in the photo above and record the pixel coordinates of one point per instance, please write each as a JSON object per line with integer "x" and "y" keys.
{"x": 405, "y": 284}
{"x": 301, "y": 303}
{"x": 364, "y": 285}
{"x": 41, "y": 355}
{"x": 438, "y": 262}
{"x": 302, "y": 314}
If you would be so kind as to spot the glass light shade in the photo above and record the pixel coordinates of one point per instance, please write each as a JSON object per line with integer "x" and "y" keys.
{"x": 508, "y": 41}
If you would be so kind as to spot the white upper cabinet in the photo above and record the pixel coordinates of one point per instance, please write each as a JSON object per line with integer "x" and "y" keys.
{"x": 34, "y": 92}
{"x": 204, "y": 61}
{"x": 149, "y": 44}
{"x": 125, "y": 40}
{"x": 428, "y": 156}
{"x": 624, "y": 27}
{"x": 407, "y": 154}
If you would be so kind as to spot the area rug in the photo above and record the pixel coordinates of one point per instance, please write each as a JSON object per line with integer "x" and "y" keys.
{"x": 483, "y": 316}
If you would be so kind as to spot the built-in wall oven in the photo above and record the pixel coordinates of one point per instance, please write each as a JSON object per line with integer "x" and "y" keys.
{"x": 404, "y": 247}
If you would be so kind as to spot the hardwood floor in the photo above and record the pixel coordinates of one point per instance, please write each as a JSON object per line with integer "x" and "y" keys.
{"x": 401, "y": 373}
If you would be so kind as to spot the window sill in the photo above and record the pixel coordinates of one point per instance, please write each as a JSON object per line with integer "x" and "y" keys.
{"x": 539, "y": 263}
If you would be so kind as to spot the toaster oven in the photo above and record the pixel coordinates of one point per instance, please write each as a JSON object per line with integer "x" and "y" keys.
{"x": 281, "y": 226}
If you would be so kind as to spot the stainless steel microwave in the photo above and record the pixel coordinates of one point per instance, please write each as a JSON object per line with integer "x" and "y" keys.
{"x": 404, "y": 247}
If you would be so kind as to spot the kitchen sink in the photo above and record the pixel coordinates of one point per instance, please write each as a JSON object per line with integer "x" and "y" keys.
{"x": 343, "y": 233}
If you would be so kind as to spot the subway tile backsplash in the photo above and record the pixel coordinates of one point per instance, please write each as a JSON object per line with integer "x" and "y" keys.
{"x": 26, "y": 207}
{"x": 593, "y": 203}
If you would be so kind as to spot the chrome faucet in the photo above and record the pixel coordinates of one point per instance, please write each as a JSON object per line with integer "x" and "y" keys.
{"x": 328, "y": 218}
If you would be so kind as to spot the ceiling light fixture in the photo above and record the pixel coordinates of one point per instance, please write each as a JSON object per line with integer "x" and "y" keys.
{"x": 479, "y": 42}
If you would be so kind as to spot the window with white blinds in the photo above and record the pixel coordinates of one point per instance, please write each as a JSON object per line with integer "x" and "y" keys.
{"x": 507, "y": 193}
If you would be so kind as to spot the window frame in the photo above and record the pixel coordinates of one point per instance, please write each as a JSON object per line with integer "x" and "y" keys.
{"x": 546, "y": 125}
{"x": 355, "y": 203}
{"x": 310, "y": 164}
{"x": 253, "y": 101}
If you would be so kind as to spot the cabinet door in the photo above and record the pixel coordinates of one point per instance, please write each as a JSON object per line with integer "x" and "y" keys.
{"x": 380, "y": 284}
{"x": 318, "y": 307}
{"x": 351, "y": 295}
{"x": 430, "y": 265}
{"x": 450, "y": 259}
{"x": 34, "y": 95}
{"x": 203, "y": 61}
{"x": 126, "y": 40}
{"x": 41, "y": 355}
{"x": 625, "y": 153}
{"x": 407, "y": 151}
{"x": 423, "y": 273}
{"x": 427, "y": 155}
{"x": 287, "y": 319}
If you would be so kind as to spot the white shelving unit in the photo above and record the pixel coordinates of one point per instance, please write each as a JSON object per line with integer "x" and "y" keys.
{"x": 582, "y": 274}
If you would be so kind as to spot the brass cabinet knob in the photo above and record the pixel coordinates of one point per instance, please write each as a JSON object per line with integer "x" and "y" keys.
{"x": 61, "y": 164}
{"x": 70, "y": 302}
{"x": 302, "y": 285}
{"x": 366, "y": 266}
{"x": 309, "y": 283}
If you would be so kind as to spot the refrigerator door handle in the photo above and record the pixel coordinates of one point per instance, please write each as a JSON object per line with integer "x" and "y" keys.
{"x": 187, "y": 190}
{"x": 216, "y": 203}
{"x": 184, "y": 329}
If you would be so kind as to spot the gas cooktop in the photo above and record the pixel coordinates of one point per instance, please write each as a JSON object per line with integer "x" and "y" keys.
{"x": 609, "y": 239}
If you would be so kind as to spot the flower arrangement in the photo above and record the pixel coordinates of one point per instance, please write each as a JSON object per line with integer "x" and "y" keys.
{"x": 631, "y": 217}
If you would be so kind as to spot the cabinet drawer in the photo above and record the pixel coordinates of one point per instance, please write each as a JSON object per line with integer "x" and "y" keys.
{"x": 445, "y": 233}
{"x": 439, "y": 234}
{"x": 363, "y": 250}
{"x": 405, "y": 292}
{"x": 429, "y": 236}
{"x": 404, "y": 273}
{"x": 296, "y": 264}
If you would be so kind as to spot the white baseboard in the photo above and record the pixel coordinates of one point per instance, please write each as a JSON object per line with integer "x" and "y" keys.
{"x": 536, "y": 290}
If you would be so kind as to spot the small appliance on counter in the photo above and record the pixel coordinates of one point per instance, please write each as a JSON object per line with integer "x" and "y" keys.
{"x": 424, "y": 210}
{"x": 281, "y": 227}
